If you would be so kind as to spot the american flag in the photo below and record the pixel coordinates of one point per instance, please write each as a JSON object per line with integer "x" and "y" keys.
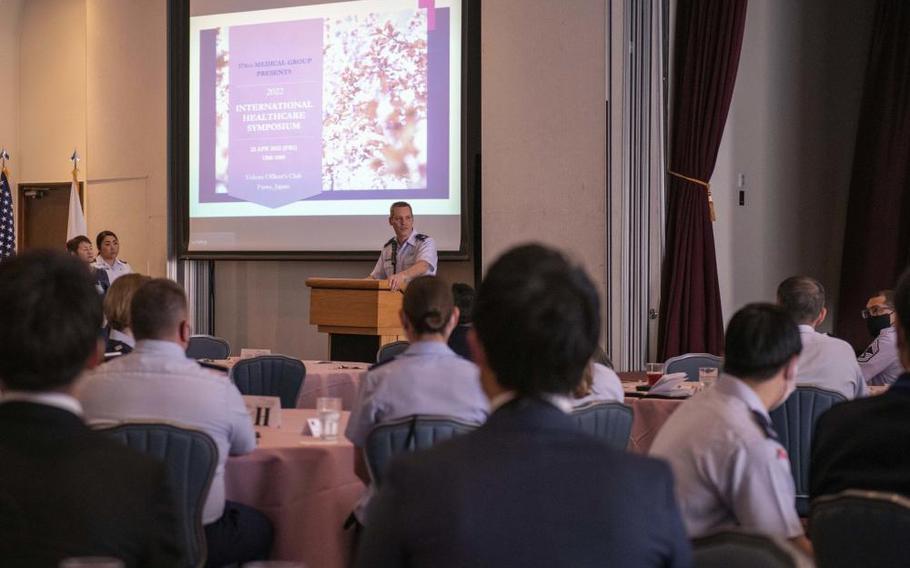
{"x": 7, "y": 230}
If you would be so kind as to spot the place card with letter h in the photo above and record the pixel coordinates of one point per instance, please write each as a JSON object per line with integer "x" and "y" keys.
{"x": 265, "y": 411}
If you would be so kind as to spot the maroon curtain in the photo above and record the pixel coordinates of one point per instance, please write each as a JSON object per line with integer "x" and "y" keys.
{"x": 877, "y": 236}
{"x": 709, "y": 36}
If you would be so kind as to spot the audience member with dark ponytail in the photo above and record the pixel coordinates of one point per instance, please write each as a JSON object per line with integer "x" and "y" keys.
{"x": 428, "y": 378}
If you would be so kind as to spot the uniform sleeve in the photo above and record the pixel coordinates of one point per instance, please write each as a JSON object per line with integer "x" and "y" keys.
{"x": 365, "y": 412}
{"x": 426, "y": 251}
{"x": 243, "y": 436}
{"x": 379, "y": 270}
{"x": 873, "y": 362}
{"x": 761, "y": 491}
{"x": 860, "y": 381}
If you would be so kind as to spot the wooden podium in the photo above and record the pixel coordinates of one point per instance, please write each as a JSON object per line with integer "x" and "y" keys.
{"x": 359, "y": 314}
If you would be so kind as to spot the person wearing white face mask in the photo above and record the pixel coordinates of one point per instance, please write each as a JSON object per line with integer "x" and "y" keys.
{"x": 730, "y": 469}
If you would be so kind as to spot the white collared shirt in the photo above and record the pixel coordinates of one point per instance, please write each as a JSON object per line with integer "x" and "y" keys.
{"x": 409, "y": 253}
{"x": 56, "y": 399}
{"x": 562, "y": 402}
{"x": 115, "y": 271}
{"x": 829, "y": 363}
{"x": 730, "y": 470}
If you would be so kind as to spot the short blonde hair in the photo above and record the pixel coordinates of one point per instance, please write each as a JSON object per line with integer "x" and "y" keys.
{"x": 119, "y": 297}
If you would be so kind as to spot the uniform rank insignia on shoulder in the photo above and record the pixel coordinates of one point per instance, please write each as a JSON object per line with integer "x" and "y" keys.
{"x": 765, "y": 425}
{"x": 869, "y": 353}
{"x": 123, "y": 260}
{"x": 421, "y": 237}
{"x": 389, "y": 242}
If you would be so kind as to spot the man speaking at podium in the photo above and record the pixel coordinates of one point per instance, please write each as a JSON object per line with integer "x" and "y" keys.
{"x": 408, "y": 254}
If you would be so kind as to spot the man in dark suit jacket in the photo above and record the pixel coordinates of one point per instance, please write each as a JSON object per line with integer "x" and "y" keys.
{"x": 527, "y": 488}
{"x": 865, "y": 444}
{"x": 66, "y": 491}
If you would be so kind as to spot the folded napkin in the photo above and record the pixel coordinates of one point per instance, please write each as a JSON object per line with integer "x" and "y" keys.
{"x": 674, "y": 384}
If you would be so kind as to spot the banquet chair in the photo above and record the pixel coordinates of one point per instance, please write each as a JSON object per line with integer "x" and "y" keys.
{"x": 746, "y": 550}
{"x": 190, "y": 457}
{"x": 391, "y": 350}
{"x": 794, "y": 421}
{"x": 408, "y": 434}
{"x": 270, "y": 375}
{"x": 690, "y": 363}
{"x": 860, "y": 528}
{"x": 208, "y": 347}
{"x": 609, "y": 421}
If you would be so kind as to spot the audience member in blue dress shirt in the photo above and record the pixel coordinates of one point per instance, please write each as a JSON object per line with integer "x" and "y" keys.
{"x": 158, "y": 382}
{"x": 464, "y": 301}
{"x": 66, "y": 490}
{"x": 81, "y": 247}
{"x": 428, "y": 378}
{"x": 117, "y": 311}
{"x": 527, "y": 488}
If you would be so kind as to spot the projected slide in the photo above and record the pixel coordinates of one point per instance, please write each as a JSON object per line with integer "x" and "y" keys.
{"x": 306, "y": 123}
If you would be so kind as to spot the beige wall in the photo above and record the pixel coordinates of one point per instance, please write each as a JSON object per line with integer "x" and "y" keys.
{"x": 791, "y": 131}
{"x": 543, "y": 66}
{"x": 99, "y": 85}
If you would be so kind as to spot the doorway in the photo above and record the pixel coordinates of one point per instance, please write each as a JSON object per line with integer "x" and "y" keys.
{"x": 44, "y": 214}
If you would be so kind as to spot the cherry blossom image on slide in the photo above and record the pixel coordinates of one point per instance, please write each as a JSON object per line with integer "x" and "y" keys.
{"x": 374, "y": 127}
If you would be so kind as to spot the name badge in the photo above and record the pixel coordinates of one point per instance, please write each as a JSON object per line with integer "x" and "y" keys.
{"x": 265, "y": 411}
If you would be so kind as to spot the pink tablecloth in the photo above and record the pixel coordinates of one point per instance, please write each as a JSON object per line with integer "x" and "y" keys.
{"x": 307, "y": 488}
{"x": 331, "y": 378}
{"x": 649, "y": 416}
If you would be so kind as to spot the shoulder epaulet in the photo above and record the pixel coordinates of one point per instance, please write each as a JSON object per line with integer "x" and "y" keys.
{"x": 389, "y": 242}
{"x": 380, "y": 364}
{"x": 764, "y": 424}
{"x": 421, "y": 237}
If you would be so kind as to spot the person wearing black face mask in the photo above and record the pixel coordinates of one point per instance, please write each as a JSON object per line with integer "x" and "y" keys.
{"x": 880, "y": 362}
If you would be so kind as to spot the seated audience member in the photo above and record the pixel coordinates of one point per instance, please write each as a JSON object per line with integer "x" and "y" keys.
{"x": 825, "y": 361}
{"x": 464, "y": 301}
{"x": 865, "y": 444}
{"x": 598, "y": 384}
{"x": 428, "y": 378}
{"x": 880, "y": 362}
{"x": 82, "y": 248}
{"x": 731, "y": 472}
{"x": 528, "y": 488}
{"x": 108, "y": 259}
{"x": 117, "y": 311}
{"x": 66, "y": 491}
{"x": 158, "y": 382}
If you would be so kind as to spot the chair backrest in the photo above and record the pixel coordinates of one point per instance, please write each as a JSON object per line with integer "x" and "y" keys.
{"x": 190, "y": 457}
{"x": 208, "y": 347}
{"x": 690, "y": 363}
{"x": 408, "y": 434}
{"x": 270, "y": 375}
{"x": 794, "y": 421}
{"x": 390, "y": 350}
{"x": 609, "y": 421}
{"x": 860, "y": 528}
{"x": 746, "y": 550}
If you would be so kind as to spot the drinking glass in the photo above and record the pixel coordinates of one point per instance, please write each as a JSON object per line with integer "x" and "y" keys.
{"x": 707, "y": 376}
{"x": 329, "y": 410}
{"x": 654, "y": 371}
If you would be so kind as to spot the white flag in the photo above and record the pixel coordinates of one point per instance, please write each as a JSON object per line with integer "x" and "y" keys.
{"x": 75, "y": 226}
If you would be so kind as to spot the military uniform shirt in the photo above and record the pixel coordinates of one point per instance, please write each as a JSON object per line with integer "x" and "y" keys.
{"x": 416, "y": 248}
{"x": 880, "y": 361}
{"x": 114, "y": 272}
{"x": 605, "y": 387}
{"x": 829, "y": 363}
{"x": 730, "y": 469}
{"x": 428, "y": 378}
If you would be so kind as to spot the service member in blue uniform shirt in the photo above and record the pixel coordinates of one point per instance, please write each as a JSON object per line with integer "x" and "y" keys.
{"x": 408, "y": 254}
{"x": 880, "y": 362}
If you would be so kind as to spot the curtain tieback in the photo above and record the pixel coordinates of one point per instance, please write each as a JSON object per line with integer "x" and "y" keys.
{"x": 704, "y": 184}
